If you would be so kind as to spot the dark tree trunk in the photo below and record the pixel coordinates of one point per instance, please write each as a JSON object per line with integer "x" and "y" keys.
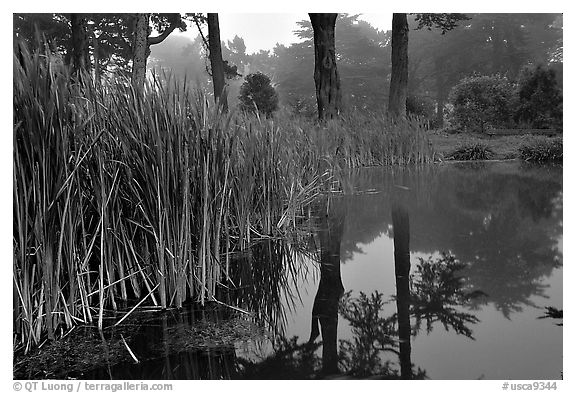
{"x": 399, "y": 78}
{"x": 139, "y": 50}
{"x": 79, "y": 36}
{"x": 326, "y": 78}
{"x": 330, "y": 288}
{"x": 401, "y": 229}
{"x": 216, "y": 63}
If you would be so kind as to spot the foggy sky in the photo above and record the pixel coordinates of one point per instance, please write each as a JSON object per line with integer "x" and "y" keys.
{"x": 263, "y": 31}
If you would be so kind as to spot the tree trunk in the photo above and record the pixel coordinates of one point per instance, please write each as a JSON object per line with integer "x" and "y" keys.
{"x": 401, "y": 227}
{"x": 79, "y": 37}
{"x": 326, "y": 78}
{"x": 216, "y": 62}
{"x": 139, "y": 50}
{"x": 399, "y": 78}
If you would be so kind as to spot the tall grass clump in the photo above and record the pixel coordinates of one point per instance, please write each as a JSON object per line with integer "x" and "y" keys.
{"x": 542, "y": 149}
{"x": 144, "y": 195}
{"x": 362, "y": 139}
{"x": 122, "y": 194}
{"x": 470, "y": 152}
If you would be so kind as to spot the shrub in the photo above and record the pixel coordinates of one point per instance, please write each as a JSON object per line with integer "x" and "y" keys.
{"x": 539, "y": 98}
{"x": 482, "y": 102}
{"x": 420, "y": 106}
{"x": 471, "y": 151}
{"x": 542, "y": 149}
{"x": 257, "y": 93}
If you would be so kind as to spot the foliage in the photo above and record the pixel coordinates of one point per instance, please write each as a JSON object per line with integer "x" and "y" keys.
{"x": 444, "y": 22}
{"x": 484, "y": 44}
{"x": 372, "y": 333}
{"x": 540, "y": 98}
{"x": 554, "y": 313}
{"x": 542, "y": 149}
{"x": 482, "y": 102}
{"x": 471, "y": 151}
{"x": 420, "y": 106}
{"x": 437, "y": 290}
{"x": 258, "y": 94}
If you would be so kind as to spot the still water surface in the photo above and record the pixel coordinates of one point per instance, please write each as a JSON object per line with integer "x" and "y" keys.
{"x": 442, "y": 272}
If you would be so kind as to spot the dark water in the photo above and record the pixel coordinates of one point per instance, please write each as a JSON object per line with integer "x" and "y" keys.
{"x": 443, "y": 273}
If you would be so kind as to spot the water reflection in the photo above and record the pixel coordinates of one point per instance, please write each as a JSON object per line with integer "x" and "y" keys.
{"x": 504, "y": 222}
{"x": 431, "y": 294}
{"x": 330, "y": 288}
{"x": 464, "y": 237}
{"x": 401, "y": 227}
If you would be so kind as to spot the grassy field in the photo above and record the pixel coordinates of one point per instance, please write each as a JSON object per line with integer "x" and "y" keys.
{"x": 504, "y": 147}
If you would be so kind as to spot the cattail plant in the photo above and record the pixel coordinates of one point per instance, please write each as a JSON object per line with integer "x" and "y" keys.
{"x": 143, "y": 196}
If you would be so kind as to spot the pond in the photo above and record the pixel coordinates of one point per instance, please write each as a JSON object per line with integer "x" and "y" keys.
{"x": 451, "y": 271}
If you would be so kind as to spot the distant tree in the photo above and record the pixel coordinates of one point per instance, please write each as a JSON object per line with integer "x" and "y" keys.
{"x": 539, "y": 98}
{"x": 181, "y": 58}
{"x": 326, "y": 78}
{"x": 235, "y": 52}
{"x": 257, "y": 93}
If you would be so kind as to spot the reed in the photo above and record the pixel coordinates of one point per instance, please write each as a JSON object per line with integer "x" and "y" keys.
{"x": 122, "y": 194}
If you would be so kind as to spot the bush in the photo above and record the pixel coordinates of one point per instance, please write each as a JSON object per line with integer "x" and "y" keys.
{"x": 472, "y": 151}
{"x": 482, "y": 102}
{"x": 257, "y": 93}
{"x": 542, "y": 149}
{"x": 539, "y": 98}
{"x": 420, "y": 106}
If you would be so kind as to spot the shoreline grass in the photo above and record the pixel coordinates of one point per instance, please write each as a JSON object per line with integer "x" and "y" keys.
{"x": 120, "y": 194}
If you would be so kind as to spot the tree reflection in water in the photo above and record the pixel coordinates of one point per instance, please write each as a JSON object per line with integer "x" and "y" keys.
{"x": 432, "y": 294}
{"x": 504, "y": 220}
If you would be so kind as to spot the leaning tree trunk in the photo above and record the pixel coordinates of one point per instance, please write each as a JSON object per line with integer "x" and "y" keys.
{"x": 326, "y": 78}
{"x": 216, "y": 62}
{"x": 399, "y": 78}
{"x": 139, "y": 49}
{"x": 79, "y": 38}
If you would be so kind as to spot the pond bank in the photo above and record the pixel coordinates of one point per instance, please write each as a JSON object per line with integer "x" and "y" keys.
{"x": 504, "y": 147}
